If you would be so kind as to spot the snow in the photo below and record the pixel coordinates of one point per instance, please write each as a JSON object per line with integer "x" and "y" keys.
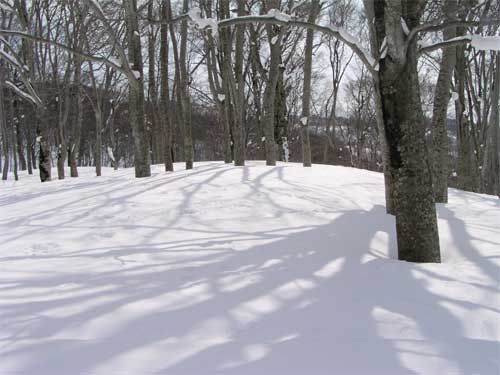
{"x": 483, "y": 43}
{"x": 114, "y": 61}
{"x": 12, "y": 60}
{"x": 137, "y": 74}
{"x": 404, "y": 26}
{"x": 110, "y": 153}
{"x": 347, "y": 37}
{"x": 240, "y": 270}
{"x": 20, "y": 92}
{"x": 286, "y": 149}
{"x": 203, "y": 23}
{"x": 280, "y": 16}
{"x": 486, "y": 43}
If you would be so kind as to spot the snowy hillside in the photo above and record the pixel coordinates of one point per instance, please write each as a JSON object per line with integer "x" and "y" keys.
{"x": 253, "y": 270}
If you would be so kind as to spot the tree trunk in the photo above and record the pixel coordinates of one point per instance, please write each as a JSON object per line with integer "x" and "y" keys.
{"x": 98, "y": 141}
{"x": 142, "y": 162}
{"x": 74, "y": 146}
{"x": 442, "y": 96}
{"x": 186, "y": 100}
{"x": 239, "y": 94}
{"x": 463, "y": 145}
{"x": 414, "y": 206}
{"x": 165, "y": 113}
{"x": 375, "y": 44}
{"x": 44, "y": 159}
{"x": 20, "y": 123}
{"x": 274, "y": 36}
{"x": 494, "y": 125}
{"x": 306, "y": 91}
{"x": 3, "y": 127}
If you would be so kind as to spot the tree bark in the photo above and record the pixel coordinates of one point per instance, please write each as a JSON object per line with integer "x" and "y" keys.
{"x": 414, "y": 206}
{"x": 165, "y": 113}
{"x": 375, "y": 44}
{"x": 239, "y": 92}
{"x": 142, "y": 161}
{"x": 306, "y": 91}
{"x": 274, "y": 36}
{"x": 3, "y": 127}
{"x": 186, "y": 100}
{"x": 495, "y": 125}
{"x": 442, "y": 95}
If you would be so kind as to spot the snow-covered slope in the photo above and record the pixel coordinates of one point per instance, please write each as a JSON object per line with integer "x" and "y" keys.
{"x": 253, "y": 270}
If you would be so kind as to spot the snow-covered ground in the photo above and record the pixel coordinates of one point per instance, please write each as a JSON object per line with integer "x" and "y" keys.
{"x": 240, "y": 270}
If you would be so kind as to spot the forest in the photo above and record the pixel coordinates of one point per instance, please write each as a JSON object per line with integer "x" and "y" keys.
{"x": 284, "y": 96}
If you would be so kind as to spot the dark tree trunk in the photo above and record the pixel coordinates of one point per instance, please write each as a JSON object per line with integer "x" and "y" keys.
{"x": 306, "y": 92}
{"x": 409, "y": 166}
{"x": 142, "y": 161}
{"x": 165, "y": 113}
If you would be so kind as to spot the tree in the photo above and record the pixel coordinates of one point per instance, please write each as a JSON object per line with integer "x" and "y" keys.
{"x": 306, "y": 94}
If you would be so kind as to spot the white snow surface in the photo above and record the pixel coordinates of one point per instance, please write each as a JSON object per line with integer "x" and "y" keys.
{"x": 240, "y": 270}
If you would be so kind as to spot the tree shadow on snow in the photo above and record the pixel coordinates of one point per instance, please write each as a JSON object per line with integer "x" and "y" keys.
{"x": 312, "y": 300}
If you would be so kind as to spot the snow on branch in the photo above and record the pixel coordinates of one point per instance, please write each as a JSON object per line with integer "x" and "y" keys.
{"x": 276, "y": 17}
{"x": 439, "y": 25}
{"x": 203, "y": 23}
{"x": 486, "y": 43}
{"x": 34, "y": 99}
{"x": 12, "y": 60}
{"x": 124, "y": 67}
{"x": 482, "y": 43}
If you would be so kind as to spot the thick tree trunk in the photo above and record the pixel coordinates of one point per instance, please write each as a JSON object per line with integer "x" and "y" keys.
{"x": 186, "y": 100}
{"x": 3, "y": 127}
{"x": 157, "y": 136}
{"x": 274, "y": 36}
{"x": 20, "y": 123}
{"x": 29, "y": 142}
{"x": 306, "y": 92}
{"x": 142, "y": 162}
{"x": 239, "y": 92}
{"x": 495, "y": 125}
{"x": 165, "y": 113}
{"x": 74, "y": 146}
{"x": 98, "y": 141}
{"x": 256, "y": 89}
{"x": 375, "y": 44}
{"x": 414, "y": 206}
{"x": 463, "y": 137}
{"x": 226, "y": 111}
{"x": 44, "y": 159}
{"x": 442, "y": 95}
{"x": 13, "y": 136}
